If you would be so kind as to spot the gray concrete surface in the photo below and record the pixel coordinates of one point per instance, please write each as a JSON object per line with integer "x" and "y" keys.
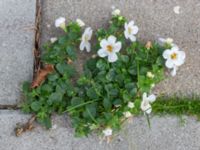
{"x": 155, "y": 19}
{"x": 17, "y": 19}
{"x": 166, "y": 133}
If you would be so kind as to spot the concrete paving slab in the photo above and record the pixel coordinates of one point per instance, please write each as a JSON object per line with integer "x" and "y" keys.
{"x": 16, "y": 47}
{"x": 166, "y": 133}
{"x": 154, "y": 18}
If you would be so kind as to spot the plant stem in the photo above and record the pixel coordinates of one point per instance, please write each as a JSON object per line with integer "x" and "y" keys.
{"x": 77, "y": 106}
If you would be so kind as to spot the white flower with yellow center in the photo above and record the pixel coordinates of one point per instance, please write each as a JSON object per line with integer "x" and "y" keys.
{"x": 130, "y": 31}
{"x": 86, "y": 37}
{"x": 131, "y": 105}
{"x": 109, "y": 47}
{"x": 60, "y": 23}
{"x": 146, "y": 102}
{"x": 116, "y": 12}
{"x": 80, "y": 22}
{"x": 107, "y": 131}
{"x": 174, "y": 58}
{"x": 150, "y": 75}
{"x": 127, "y": 114}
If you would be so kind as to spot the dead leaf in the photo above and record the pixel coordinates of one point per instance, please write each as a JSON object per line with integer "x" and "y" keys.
{"x": 69, "y": 61}
{"x": 41, "y": 75}
{"x": 148, "y": 45}
{"x": 25, "y": 127}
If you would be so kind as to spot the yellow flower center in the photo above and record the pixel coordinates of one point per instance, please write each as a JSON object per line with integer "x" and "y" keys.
{"x": 129, "y": 30}
{"x": 173, "y": 56}
{"x": 109, "y": 48}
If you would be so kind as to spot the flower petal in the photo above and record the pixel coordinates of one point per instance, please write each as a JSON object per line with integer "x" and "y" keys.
{"x": 88, "y": 47}
{"x": 126, "y": 34}
{"x": 151, "y": 98}
{"x": 131, "y": 23}
{"x": 182, "y": 54}
{"x": 148, "y": 111}
{"x": 173, "y": 72}
{"x": 144, "y": 96}
{"x": 135, "y": 30}
{"x": 82, "y": 46}
{"x": 125, "y": 25}
{"x": 145, "y": 106}
{"x": 175, "y": 49}
{"x": 132, "y": 38}
{"x": 166, "y": 53}
{"x": 112, "y": 57}
{"x": 169, "y": 64}
{"x": 118, "y": 46}
{"x": 102, "y": 53}
{"x": 103, "y": 43}
{"x": 112, "y": 39}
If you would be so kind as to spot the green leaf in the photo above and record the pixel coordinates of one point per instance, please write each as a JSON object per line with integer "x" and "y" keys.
{"x": 90, "y": 64}
{"x": 53, "y": 77}
{"x": 111, "y": 75}
{"x": 46, "y": 88}
{"x": 76, "y": 101}
{"x": 35, "y": 106}
{"x": 64, "y": 68}
{"x": 46, "y": 121}
{"x": 107, "y": 104}
{"x": 55, "y": 97}
{"x": 101, "y": 64}
{"x": 90, "y": 111}
{"x": 137, "y": 103}
{"x": 91, "y": 93}
{"x": 126, "y": 96}
{"x": 132, "y": 70}
{"x": 124, "y": 58}
{"x": 71, "y": 52}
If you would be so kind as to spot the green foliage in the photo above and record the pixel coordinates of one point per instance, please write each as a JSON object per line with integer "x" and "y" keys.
{"x": 177, "y": 106}
{"x": 100, "y": 96}
{"x": 55, "y": 93}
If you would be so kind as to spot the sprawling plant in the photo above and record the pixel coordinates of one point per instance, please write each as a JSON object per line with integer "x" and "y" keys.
{"x": 116, "y": 82}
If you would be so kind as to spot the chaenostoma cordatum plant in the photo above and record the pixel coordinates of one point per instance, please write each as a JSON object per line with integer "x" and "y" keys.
{"x": 116, "y": 82}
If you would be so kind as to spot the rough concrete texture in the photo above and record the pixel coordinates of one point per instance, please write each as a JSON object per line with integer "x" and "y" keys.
{"x": 16, "y": 44}
{"x": 155, "y": 18}
{"x": 166, "y": 133}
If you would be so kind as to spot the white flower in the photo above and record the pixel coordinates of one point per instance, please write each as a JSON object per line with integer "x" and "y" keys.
{"x": 86, "y": 37}
{"x": 109, "y": 47}
{"x": 168, "y": 41}
{"x": 146, "y": 100}
{"x": 60, "y": 22}
{"x": 53, "y": 39}
{"x": 107, "y": 132}
{"x": 150, "y": 75}
{"x": 130, "y": 31}
{"x": 80, "y": 22}
{"x": 174, "y": 58}
{"x": 177, "y": 9}
{"x": 116, "y": 12}
{"x": 127, "y": 114}
{"x": 131, "y": 105}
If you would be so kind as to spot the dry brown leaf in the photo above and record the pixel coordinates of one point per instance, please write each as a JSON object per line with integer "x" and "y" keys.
{"x": 69, "y": 61}
{"x": 41, "y": 75}
{"x": 148, "y": 45}
{"x": 25, "y": 127}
